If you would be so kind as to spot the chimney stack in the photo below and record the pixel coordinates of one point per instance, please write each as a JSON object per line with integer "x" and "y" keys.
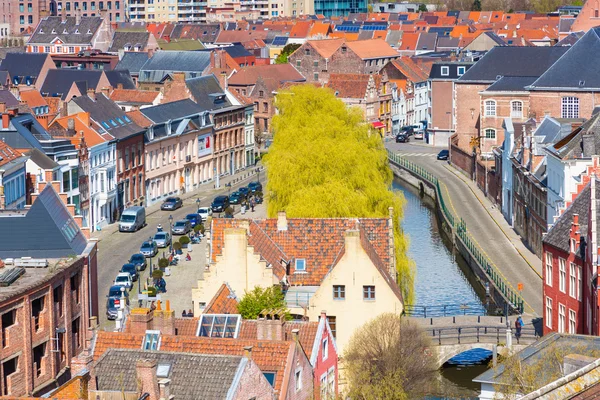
{"x": 281, "y": 221}
{"x": 92, "y": 94}
{"x": 248, "y": 352}
{"x": 164, "y": 387}
{"x": 270, "y": 327}
{"x": 71, "y": 126}
{"x": 140, "y": 320}
{"x": 146, "y": 379}
{"x": 77, "y": 16}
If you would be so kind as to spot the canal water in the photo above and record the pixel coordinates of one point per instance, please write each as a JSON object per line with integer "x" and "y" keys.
{"x": 442, "y": 277}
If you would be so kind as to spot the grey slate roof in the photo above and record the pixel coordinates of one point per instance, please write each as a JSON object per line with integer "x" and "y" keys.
{"x": 108, "y": 115}
{"x": 59, "y": 81}
{"x": 49, "y": 238}
{"x": 68, "y": 32}
{"x": 572, "y": 145}
{"x": 562, "y": 74}
{"x": 513, "y": 61}
{"x": 193, "y": 376}
{"x": 446, "y": 42}
{"x": 120, "y": 77}
{"x": 132, "y": 61}
{"x": 130, "y": 39}
{"x": 393, "y": 37}
{"x": 511, "y": 84}
{"x": 564, "y": 24}
{"x": 162, "y": 63}
{"x": 207, "y": 92}
{"x": 570, "y": 39}
{"x": 171, "y": 111}
{"x": 41, "y": 160}
{"x": 8, "y": 98}
{"x": 427, "y": 41}
{"x": 436, "y": 70}
{"x": 237, "y": 50}
{"x": 24, "y": 64}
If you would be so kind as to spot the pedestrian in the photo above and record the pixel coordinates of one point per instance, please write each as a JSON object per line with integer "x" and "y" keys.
{"x": 252, "y": 203}
{"x": 518, "y": 326}
{"x": 190, "y": 313}
{"x": 183, "y": 314}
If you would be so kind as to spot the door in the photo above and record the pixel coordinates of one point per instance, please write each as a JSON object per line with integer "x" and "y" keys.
{"x": 187, "y": 180}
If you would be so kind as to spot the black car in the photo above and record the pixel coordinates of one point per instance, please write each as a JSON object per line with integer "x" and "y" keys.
{"x": 115, "y": 291}
{"x": 171, "y": 203}
{"x": 402, "y": 138}
{"x": 236, "y": 197}
{"x": 255, "y": 187}
{"x": 408, "y": 130}
{"x": 220, "y": 204}
{"x": 139, "y": 260}
{"x": 443, "y": 155}
{"x": 132, "y": 270}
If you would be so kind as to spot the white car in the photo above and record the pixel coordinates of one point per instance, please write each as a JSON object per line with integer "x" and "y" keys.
{"x": 205, "y": 212}
{"x": 124, "y": 279}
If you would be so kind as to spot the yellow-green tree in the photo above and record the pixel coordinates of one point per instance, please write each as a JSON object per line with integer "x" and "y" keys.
{"x": 326, "y": 163}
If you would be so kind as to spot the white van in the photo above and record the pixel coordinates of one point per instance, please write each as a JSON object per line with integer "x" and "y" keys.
{"x": 132, "y": 219}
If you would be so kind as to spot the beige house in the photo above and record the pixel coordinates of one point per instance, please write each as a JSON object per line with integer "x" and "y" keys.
{"x": 345, "y": 267}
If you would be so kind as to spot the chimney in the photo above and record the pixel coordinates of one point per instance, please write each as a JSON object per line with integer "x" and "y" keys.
{"x": 281, "y": 221}
{"x": 119, "y": 86}
{"x": 5, "y": 121}
{"x": 589, "y": 145}
{"x": 106, "y": 90}
{"x": 2, "y": 107}
{"x": 77, "y": 16}
{"x": 224, "y": 80}
{"x": 91, "y": 94}
{"x": 63, "y": 14}
{"x": 164, "y": 388}
{"x": 296, "y": 334}
{"x": 146, "y": 379}
{"x": 270, "y": 327}
{"x": 71, "y": 124}
{"x": 248, "y": 352}
{"x": 48, "y": 175}
{"x": 164, "y": 320}
{"x": 352, "y": 242}
{"x": 140, "y": 320}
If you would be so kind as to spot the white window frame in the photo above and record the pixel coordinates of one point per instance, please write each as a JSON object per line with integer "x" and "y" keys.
{"x": 562, "y": 275}
{"x": 325, "y": 348}
{"x": 323, "y": 387}
{"x": 298, "y": 376}
{"x": 548, "y": 312}
{"x": 572, "y": 322}
{"x": 562, "y": 318}
{"x": 445, "y": 71}
{"x": 460, "y": 71}
{"x": 549, "y": 260}
{"x": 485, "y": 133}
{"x": 570, "y": 107}
{"x": 489, "y": 107}
{"x": 518, "y": 112}
{"x": 579, "y": 283}
{"x": 573, "y": 280}
{"x": 302, "y": 262}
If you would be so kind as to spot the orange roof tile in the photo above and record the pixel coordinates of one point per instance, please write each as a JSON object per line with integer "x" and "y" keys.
{"x": 378, "y": 17}
{"x": 301, "y": 29}
{"x": 224, "y": 302}
{"x": 459, "y": 30}
{"x": 307, "y": 332}
{"x": 320, "y": 29}
{"x": 409, "y": 41}
{"x": 474, "y": 16}
{"x": 134, "y": 95}
{"x": 33, "y": 98}
{"x": 351, "y": 37}
{"x": 374, "y": 48}
{"x": 326, "y": 47}
{"x": 186, "y": 326}
{"x": 139, "y": 118}
{"x": 82, "y": 124}
{"x": 379, "y": 35}
{"x": 8, "y": 153}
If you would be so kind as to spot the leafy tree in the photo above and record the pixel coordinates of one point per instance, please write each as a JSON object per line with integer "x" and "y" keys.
{"x": 184, "y": 240}
{"x": 476, "y": 5}
{"x": 259, "y": 299}
{"x": 199, "y": 228}
{"x": 282, "y": 58}
{"x": 163, "y": 263}
{"x": 325, "y": 162}
{"x": 157, "y": 274}
{"x": 422, "y": 8}
{"x": 386, "y": 359}
{"x": 177, "y": 246}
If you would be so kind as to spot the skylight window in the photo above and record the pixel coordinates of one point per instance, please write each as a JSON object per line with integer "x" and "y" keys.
{"x": 113, "y": 123}
{"x": 126, "y": 118}
{"x": 219, "y": 325}
{"x": 270, "y": 377}
{"x": 300, "y": 265}
{"x": 151, "y": 340}
{"x": 162, "y": 370}
{"x": 120, "y": 121}
{"x": 105, "y": 124}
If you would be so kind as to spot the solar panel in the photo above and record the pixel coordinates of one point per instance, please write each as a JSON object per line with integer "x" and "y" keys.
{"x": 402, "y": 17}
{"x": 219, "y": 325}
{"x": 280, "y": 40}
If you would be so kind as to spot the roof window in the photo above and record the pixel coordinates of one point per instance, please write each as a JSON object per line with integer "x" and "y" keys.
{"x": 219, "y": 325}
{"x": 300, "y": 265}
{"x": 151, "y": 340}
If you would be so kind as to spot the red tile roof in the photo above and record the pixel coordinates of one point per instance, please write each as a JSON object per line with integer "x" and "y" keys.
{"x": 134, "y": 95}
{"x": 186, "y": 326}
{"x": 375, "y": 48}
{"x": 278, "y": 72}
{"x": 300, "y": 29}
{"x": 326, "y": 47}
{"x": 224, "y": 302}
{"x": 351, "y": 86}
{"x": 307, "y": 332}
{"x": 7, "y": 153}
{"x": 33, "y": 98}
{"x": 139, "y": 118}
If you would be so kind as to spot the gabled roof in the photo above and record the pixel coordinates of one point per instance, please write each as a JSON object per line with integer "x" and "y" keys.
{"x": 325, "y": 47}
{"x": 59, "y": 81}
{"x": 132, "y": 61}
{"x": 410, "y": 69}
{"x": 56, "y": 233}
{"x": 570, "y": 39}
{"x": 171, "y": 111}
{"x": 162, "y": 63}
{"x": 82, "y": 124}
{"x": 376, "y": 48}
{"x": 8, "y": 99}
{"x": 278, "y": 72}
{"x": 68, "y": 32}
{"x": 24, "y": 64}
{"x": 120, "y": 78}
{"x": 128, "y": 39}
{"x": 8, "y": 154}
{"x": 213, "y": 377}
{"x": 307, "y": 332}
{"x": 452, "y": 68}
{"x": 207, "y": 92}
{"x": 33, "y": 98}
{"x": 427, "y": 41}
{"x": 512, "y": 61}
{"x": 133, "y": 96}
{"x": 511, "y": 84}
{"x": 349, "y": 86}
{"x": 224, "y": 302}
{"x": 41, "y": 160}
{"x": 226, "y": 36}
{"x": 560, "y": 75}
{"x": 571, "y": 146}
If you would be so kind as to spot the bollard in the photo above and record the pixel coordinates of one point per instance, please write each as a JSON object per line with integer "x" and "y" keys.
{"x": 479, "y": 319}
{"x": 431, "y": 321}
{"x": 453, "y": 320}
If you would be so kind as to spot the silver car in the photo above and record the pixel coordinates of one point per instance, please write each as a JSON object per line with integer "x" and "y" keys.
{"x": 162, "y": 239}
{"x": 181, "y": 227}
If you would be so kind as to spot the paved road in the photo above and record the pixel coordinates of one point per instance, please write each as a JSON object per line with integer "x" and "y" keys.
{"x": 485, "y": 224}
{"x": 115, "y": 248}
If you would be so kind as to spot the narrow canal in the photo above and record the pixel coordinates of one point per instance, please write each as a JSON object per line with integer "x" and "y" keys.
{"x": 442, "y": 277}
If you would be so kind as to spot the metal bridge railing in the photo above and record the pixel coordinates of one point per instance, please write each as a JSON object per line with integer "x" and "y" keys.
{"x": 460, "y": 227}
{"x": 478, "y": 334}
{"x": 444, "y": 310}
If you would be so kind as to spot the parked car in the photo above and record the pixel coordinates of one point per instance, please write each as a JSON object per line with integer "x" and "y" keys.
{"x": 402, "y": 138}
{"x": 407, "y": 130}
{"x": 220, "y": 204}
{"x": 194, "y": 219}
{"x": 171, "y": 203}
{"x": 419, "y": 134}
{"x": 237, "y": 197}
{"x": 149, "y": 249}
{"x": 112, "y": 308}
{"x": 181, "y": 227}
{"x": 443, "y": 155}
{"x": 244, "y": 190}
{"x": 139, "y": 260}
{"x": 115, "y": 292}
{"x": 205, "y": 212}
{"x": 255, "y": 186}
{"x": 124, "y": 279}
{"x": 131, "y": 270}
{"x": 162, "y": 239}
{"x": 132, "y": 219}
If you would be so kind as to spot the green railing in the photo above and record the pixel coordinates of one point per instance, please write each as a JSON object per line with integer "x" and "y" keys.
{"x": 460, "y": 227}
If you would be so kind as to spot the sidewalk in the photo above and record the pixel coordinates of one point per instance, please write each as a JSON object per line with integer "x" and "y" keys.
{"x": 203, "y": 191}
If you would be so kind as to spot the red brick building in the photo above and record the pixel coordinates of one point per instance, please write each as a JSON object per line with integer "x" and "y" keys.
{"x": 45, "y": 311}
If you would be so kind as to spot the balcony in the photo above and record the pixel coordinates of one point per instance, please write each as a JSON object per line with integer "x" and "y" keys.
{"x": 299, "y": 297}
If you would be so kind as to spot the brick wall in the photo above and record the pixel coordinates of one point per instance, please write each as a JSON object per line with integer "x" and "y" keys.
{"x": 460, "y": 158}
{"x": 133, "y": 171}
{"x": 441, "y": 104}
{"x": 503, "y": 110}
{"x": 340, "y": 62}
{"x": 543, "y": 103}
{"x": 302, "y": 365}
{"x": 468, "y": 108}
{"x": 253, "y": 384}
{"x": 323, "y": 366}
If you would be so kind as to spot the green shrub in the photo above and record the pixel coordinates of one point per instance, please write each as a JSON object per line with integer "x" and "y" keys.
{"x": 157, "y": 273}
{"x": 177, "y": 246}
{"x": 163, "y": 263}
{"x": 184, "y": 240}
{"x": 199, "y": 228}
{"x": 151, "y": 291}
{"x": 229, "y": 211}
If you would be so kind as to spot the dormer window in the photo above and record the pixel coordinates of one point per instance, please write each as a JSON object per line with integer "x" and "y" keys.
{"x": 151, "y": 340}
{"x": 65, "y": 32}
{"x": 53, "y": 31}
{"x": 77, "y": 31}
{"x": 89, "y": 32}
{"x": 300, "y": 265}
{"x": 41, "y": 30}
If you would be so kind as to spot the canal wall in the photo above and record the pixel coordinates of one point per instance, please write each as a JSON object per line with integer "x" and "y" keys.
{"x": 488, "y": 278}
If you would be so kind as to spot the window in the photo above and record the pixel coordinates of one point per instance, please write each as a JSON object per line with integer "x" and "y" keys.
{"x": 75, "y": 287}
{"x": 75, "y": 336}
{"x": 9, "y": 367}
{"x": 21, "y": 7}
{"x": 298, "y": 63}
{"x": 368, "y": 292}
{"x": 8, "y": 320}
{"x": 561, "y": 318}
{"x": 270, "y": 377}
{"x": 562, "y": 275}
{"x": 339, "y": 292}
{"x": 572, "y": 322}
{"x": 323, "y": 385}
{"x": 490, "y": 108}
{"x": 573, "y": 245}
{"x": 315, "y": 63}
{"x": 57, "y": 295}
{"x": 573, "y": 280}
{"x": 307, "y": 52}
{"x": 298, "y": 376}
{"x": 548, "y": 316}
{"x": 37, "y": 306}
{"x": 30, "y": 19}
{"x": 570, "y": 107}
{"x": 22, "y": 20}
{"x": 445, "y": 71}
{"x": 332, "y": 325}
{"x": 219, "y": 325}
{"x": 490, "y": 133}
{"x": 151, "y": 340}
{"x": 325, "y": 349}
{"x": 461, "y": 71}
{"x": 39, "y": 353}
{"x": 549, "y": 269}
{"x": 300, "y": 265}
{"x": 316, "y": 76}
{"x": 516, "y": 109}
{"x": 579, "y": 284}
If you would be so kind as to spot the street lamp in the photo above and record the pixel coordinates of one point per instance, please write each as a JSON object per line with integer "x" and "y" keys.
{"x": 171, "y": 233}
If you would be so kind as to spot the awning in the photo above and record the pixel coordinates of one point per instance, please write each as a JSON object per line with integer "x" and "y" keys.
{"x": 378, "y": 125}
